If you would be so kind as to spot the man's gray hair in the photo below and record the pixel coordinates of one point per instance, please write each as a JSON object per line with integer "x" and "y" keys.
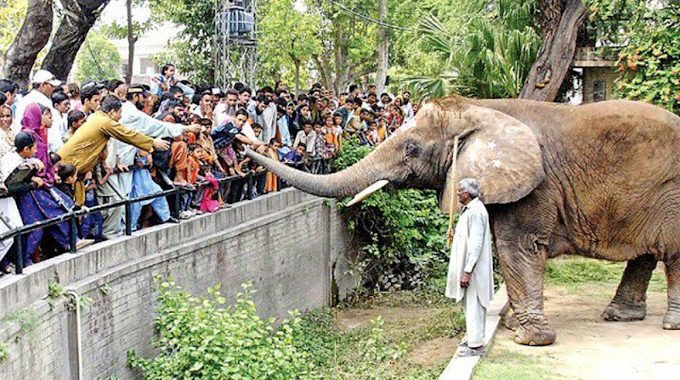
{"x": 470, "y": 186}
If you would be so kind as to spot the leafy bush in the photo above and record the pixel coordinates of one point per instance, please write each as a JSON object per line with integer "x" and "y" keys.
{"x": 403, "y": 230}
{"x": 200, "y": 338}
{"x": 649, "y": 61}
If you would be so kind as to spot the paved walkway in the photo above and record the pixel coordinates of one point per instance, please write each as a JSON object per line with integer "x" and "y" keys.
{"x": 589, "y": 348}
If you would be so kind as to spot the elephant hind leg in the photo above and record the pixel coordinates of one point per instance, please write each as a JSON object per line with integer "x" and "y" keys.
{"x": 629, "y": 303}
{"x": 672, "y": 319}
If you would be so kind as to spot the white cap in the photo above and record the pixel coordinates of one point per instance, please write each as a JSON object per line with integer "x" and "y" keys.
{"x": 44, "y": 76}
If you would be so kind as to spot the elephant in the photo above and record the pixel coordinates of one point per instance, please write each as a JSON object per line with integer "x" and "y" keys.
{"x": 601, "y": 180}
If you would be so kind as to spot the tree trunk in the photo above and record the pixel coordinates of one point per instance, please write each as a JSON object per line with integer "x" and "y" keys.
{"x": 30, "y": 40}
{"x": 297, "y": 76}
{"x": 79, "y": 17}
{"x": 341, "y": 50}
{"x": 383, "y": 49}
{"x": 559, "y": 21}
{"x": 132, "y": 39}
{"x": 322, "y": 65}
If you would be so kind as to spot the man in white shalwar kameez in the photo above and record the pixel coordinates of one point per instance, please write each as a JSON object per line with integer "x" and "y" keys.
{"x": 123, "y": 155}
{"x": 470, "y": 276}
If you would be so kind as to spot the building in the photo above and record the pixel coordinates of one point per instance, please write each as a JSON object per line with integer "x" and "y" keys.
{"x": 147, "y": 47}
{"x": 598, "y": 72}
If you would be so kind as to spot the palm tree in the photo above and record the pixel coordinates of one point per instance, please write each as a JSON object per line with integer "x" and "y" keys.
{"x": 488, "y": 54}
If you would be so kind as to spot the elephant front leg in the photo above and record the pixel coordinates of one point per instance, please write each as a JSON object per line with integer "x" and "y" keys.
{"x": 523, "y": 269}
{"x": 629, "y": 302}
{"x": 672, "y": 319}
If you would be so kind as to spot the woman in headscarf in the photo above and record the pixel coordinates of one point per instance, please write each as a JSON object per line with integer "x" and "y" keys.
{"x": 37, "y": 120}
{"x": 6, "y": 134}
{"x": 46, "y": 201}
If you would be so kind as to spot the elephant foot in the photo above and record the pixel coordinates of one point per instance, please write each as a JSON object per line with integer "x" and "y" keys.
{"x": 511, "y": 322}
{"x": 624, "y": 312}
{"x": 671, "y": 321}
{"x": 535, "y": 335}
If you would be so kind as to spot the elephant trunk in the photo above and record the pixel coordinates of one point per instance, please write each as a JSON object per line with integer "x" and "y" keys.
{"x": 347, "y": 182}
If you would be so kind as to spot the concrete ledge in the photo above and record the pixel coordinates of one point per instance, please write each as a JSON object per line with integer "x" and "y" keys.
{"x": 461, "y": 368}
{"x": 19, "y": 291}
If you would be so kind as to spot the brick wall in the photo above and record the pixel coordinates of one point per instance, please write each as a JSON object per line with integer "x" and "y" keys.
{"x": 286, "y": 243}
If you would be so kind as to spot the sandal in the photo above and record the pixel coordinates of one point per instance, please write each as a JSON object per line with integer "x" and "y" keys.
{"x": 469, "y": 351}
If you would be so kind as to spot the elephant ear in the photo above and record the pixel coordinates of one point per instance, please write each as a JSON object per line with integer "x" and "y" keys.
{"x": 500, "y": 152}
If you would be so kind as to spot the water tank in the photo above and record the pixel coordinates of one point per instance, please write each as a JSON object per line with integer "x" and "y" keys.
{"x": 240, "y": 22}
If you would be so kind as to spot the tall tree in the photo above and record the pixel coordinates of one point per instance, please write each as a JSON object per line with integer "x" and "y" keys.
{"x": 559, "y": 21}
{"x": 29, "y": 41}
{"x": 79, "y": 17}
{"x": 288, "y": 38}
{"x": 383, "y": 47}
{"x": 131, "y": 31}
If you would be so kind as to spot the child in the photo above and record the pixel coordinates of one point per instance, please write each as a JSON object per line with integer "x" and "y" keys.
{"x": 92, "y": 224}
{"x": 75, "y": 120}
{"x": 271, "y": 181}
{"x": 295, "y": 156}
{"x": 68, "y": 175}
{"x": 210, "y": 192}
{"x": 319, "y": 141}
{"x": 372, "y": 133}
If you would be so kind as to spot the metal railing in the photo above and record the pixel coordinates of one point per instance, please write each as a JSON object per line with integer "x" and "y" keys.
{"x": 319, "y": 166}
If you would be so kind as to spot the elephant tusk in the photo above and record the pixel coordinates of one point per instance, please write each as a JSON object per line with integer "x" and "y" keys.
{"x": 367, "y": 191}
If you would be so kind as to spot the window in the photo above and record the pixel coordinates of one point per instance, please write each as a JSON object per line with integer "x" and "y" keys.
{"x": 599, "y": 90}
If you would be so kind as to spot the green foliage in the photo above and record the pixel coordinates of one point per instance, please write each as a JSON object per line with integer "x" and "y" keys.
{"x": 55, "y": 290}
{"x": 404, "y": 230}
{"x": 288, "y": 40}
{"x": 508, "y": 365}
{"x": 26, "y": 318}
{"x": 650, "y": 64}
{"x": 98, "y": 58}
{"x": 4, "y": 351}
{"x": 486, "y": 50}
{"x": 192, "y": 49}
{"x": 12, "y": 15}
{"x": 200, "y": 338}
{"x": 105, "y": 288}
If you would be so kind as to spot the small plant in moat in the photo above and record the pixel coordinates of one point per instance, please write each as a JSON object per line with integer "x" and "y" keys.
{"x": 198, "y": 337}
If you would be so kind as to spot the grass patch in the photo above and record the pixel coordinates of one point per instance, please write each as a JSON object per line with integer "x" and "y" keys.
{"x": 574, "y": 271}
{"x": 379, "y": 349}
{"x": 507, "y": 365}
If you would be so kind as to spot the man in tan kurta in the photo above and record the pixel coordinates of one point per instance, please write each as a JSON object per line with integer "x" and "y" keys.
{"x": 83, "y": 148}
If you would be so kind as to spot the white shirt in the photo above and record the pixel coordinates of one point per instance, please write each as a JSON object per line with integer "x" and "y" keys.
{"x": 309, "y": 141}
{"x": 471, "y": 253}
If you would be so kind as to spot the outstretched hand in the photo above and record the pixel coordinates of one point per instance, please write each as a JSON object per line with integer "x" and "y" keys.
{"x": 161, "y": 144}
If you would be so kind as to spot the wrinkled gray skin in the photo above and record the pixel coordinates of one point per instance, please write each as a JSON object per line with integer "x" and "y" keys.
{"x": 600, "y": 180}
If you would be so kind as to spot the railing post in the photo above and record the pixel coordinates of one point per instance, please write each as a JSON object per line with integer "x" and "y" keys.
{"x": 249, "y": 187}
{"x": 128, "y": 218}
{"x": 19, "y": 264}
{"x": 176, "y": 206}
{"x": 73, "y": 229}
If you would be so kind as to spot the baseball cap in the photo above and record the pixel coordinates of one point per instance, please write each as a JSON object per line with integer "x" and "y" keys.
{"x": 44, "y": 76}
{"x": 137, "y": 89}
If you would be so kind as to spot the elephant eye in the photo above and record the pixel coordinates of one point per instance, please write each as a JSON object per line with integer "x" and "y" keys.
{"x": 412, "y": 149}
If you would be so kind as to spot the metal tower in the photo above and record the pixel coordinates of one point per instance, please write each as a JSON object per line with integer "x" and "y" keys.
{"x": 235, "y": 42}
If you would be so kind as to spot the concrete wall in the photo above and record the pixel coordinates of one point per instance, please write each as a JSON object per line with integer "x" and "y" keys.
{"x": 286, "y": 243}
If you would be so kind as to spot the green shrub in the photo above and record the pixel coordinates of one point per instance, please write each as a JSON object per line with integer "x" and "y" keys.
{"x": 200, "y": 338}
{"x": 403, "y": 231}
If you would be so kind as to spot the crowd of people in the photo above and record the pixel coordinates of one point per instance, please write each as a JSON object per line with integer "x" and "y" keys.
{"x": 67, "y": 147}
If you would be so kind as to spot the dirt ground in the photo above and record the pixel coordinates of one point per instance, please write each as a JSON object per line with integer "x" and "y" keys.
{"x": 430, "y": 352}
{"x": 587, "y": 347}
